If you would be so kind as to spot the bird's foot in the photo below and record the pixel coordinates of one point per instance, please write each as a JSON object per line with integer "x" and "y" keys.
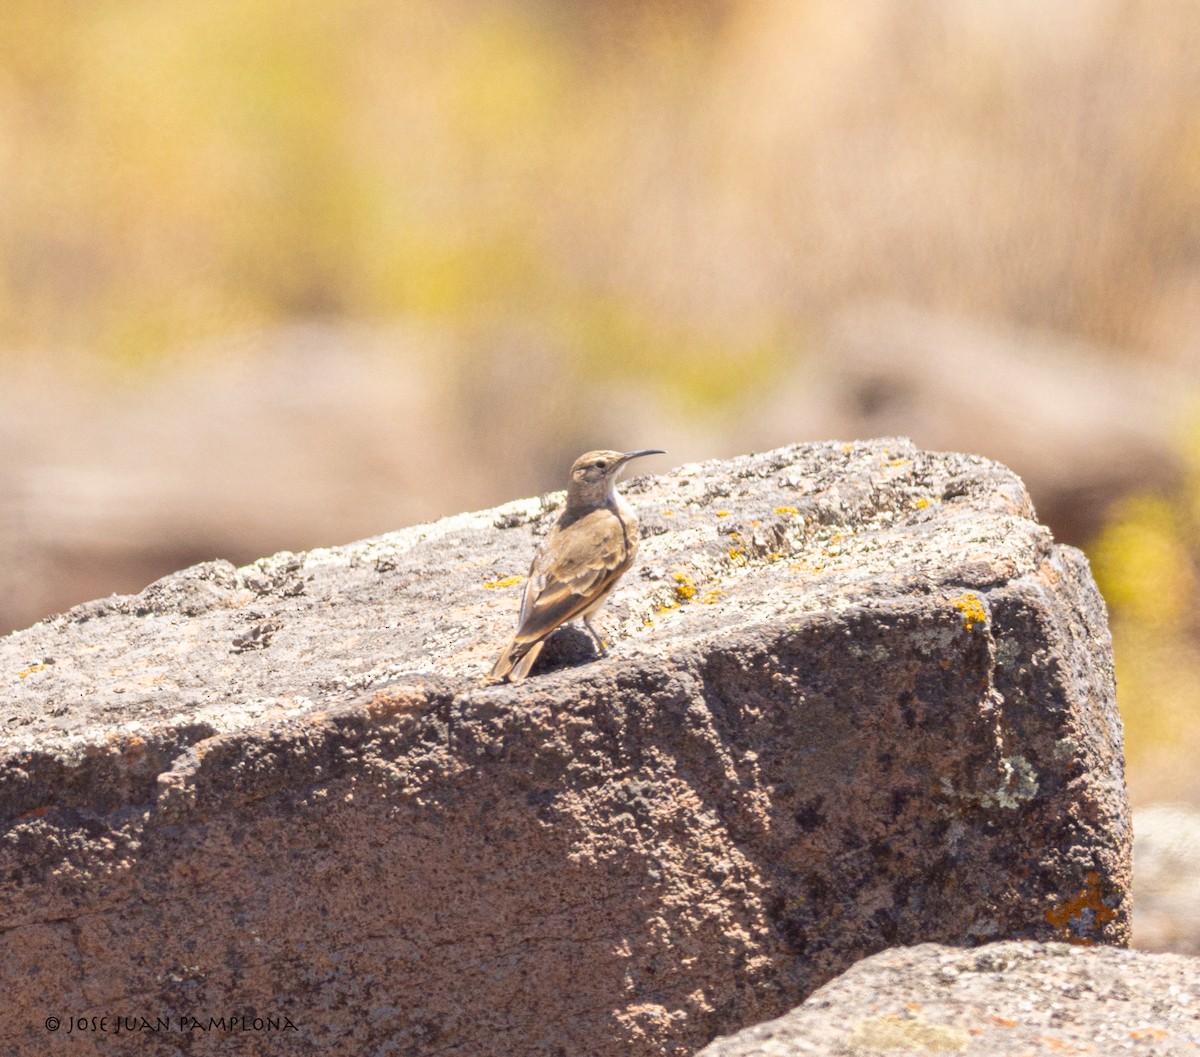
{"x": 601, "y": 645}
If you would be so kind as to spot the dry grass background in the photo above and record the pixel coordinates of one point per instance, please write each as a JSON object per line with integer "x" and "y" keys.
{"x": 662, "y": 203}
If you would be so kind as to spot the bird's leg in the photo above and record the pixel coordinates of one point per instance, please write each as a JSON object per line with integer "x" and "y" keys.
{"x": 600, "y": 644}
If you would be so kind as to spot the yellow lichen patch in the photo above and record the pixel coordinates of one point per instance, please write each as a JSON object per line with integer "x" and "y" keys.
{"x": 685, "y": 587}
{"x": 921, "y": 503}
{"x": 711, "y": 596}
{"x": 508, "y": 581}
{"x": 30, "y": 670}
{"x": 736, "y": 554}
{"x": 722, "y": 513}
{"x": 899, "y": 462}
{"x": 786, "y": 510}
{"x": 910, "y": 1032}
{"x": 807, "y": 566}
{"x": 668, "y": 513}
{"x": 971, "y": 608}
{"x": 1087, "y": 909}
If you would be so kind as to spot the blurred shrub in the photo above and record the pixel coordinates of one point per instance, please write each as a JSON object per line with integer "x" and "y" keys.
{"x": 1147, "y": 562}
{"x": 180, "y": 170}
{"x": 681, "y": 190}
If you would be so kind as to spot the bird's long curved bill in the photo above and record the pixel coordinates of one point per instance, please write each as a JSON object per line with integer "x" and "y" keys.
{"x": 638, "y": 454}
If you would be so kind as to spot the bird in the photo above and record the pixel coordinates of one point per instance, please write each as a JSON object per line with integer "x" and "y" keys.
{"x": 589, "y": 548}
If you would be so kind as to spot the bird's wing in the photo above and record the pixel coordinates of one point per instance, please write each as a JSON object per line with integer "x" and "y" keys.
{"x": 575, "y": 567}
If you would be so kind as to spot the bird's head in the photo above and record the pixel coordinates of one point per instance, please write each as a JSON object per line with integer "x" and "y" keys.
{"x": 594, "y": 475}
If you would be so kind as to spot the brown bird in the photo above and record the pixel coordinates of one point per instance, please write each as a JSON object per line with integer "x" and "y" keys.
{"x": 577, "y": 566}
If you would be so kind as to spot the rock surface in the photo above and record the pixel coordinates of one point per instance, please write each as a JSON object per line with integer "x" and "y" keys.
{"x": 1001, "y": 1000}
{"x": 856, "y": 698}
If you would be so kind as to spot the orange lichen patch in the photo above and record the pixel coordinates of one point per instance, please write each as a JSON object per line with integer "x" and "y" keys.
{"x": 1084, "y": 912}
{"x": 1148, "y": 1033}
{"x": 30, "y": 670}
{"x": 786, "y": 510}
{"x": 508, "y": 581}
{"x": 1004, "y": 1022}
{"x": 385, "y": 704}
{"x": 972, "y": 609}
{"x": 131, "y": 746}
{"x": 37, "y": 812}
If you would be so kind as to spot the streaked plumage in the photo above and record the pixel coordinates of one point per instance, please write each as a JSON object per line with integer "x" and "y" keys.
{"x": 579, "y": 563}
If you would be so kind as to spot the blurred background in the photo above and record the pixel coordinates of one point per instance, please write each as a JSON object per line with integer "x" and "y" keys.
{"x": 278, "y": 274}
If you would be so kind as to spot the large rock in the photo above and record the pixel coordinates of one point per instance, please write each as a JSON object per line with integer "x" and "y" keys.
{"x": 856, "y": 698}
{"x": 1002, "y": 1000}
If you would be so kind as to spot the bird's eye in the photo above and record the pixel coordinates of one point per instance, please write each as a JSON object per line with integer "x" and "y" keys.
{"x": 602, "y": 465}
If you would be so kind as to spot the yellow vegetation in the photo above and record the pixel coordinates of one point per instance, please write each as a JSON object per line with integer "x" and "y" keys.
{"x": 174, "y": 172}
{"x": 1147, "y": 563}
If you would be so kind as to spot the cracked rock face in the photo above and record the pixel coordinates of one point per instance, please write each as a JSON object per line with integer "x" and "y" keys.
{"x": 856, "y": 698}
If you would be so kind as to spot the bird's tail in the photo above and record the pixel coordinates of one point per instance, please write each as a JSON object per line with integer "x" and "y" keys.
{"x": 516, "y": 660}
